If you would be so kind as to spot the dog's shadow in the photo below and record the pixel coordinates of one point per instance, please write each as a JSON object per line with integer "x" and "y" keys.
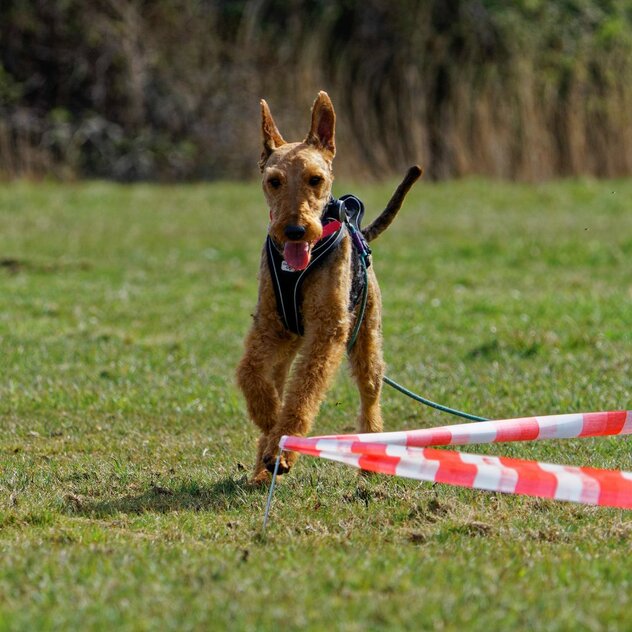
{"x": 224, "y": 495}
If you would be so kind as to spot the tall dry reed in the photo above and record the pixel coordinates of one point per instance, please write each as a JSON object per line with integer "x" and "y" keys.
{"x": 132, "y": 89}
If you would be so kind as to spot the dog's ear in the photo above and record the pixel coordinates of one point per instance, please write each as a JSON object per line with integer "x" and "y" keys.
{"x": 272, "y": 138}
{"x": 322, "y": 133}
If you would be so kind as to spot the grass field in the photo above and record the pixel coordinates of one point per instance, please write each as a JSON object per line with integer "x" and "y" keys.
{"x": 125, "y": 446}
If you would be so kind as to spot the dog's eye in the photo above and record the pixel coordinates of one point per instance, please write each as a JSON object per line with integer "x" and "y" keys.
{"x": 275, "y": 183}
{"x": 314, "y": 181}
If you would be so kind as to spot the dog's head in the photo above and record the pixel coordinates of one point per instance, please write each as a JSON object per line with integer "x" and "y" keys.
{"x": 297, "y": 179}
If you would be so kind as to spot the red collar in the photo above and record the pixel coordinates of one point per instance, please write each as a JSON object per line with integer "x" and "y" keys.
{"x": 331, "y": 227}
{"x": 328, "y": 229}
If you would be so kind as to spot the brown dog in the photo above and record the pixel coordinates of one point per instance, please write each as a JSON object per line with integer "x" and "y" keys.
{"x": 297, "y": 181}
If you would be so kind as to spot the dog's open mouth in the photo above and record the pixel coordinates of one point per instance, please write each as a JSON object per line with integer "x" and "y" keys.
{"x": 297, "y": 254}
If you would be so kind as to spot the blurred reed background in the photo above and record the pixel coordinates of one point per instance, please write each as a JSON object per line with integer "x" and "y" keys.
{"x": 169, "y": 89}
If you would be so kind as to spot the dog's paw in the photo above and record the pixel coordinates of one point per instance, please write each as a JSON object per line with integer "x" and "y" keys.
{"x": 285, "y": 464}
{"x": 260, "y": 478}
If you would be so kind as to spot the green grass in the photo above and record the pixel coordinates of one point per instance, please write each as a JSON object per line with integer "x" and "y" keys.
{"x": 125, "y": 445}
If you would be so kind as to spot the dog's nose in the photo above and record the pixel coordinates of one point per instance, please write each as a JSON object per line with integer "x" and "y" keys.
{"x": 294, "y": 232}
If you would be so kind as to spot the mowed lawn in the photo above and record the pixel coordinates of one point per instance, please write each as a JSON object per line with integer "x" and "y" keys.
{"x": 125, "y": 446}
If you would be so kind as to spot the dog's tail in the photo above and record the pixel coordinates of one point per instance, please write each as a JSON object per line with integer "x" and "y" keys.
{"x": 383, "y": 221}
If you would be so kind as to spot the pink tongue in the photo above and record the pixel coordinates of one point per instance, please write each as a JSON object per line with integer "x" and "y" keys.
{"x": 296, "y": 254}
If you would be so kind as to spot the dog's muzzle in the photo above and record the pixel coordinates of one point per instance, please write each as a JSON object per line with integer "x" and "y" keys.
{"x": 294, "y": 232}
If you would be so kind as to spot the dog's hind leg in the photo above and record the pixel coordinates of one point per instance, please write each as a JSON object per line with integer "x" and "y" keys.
{"x": 367, "y": 365}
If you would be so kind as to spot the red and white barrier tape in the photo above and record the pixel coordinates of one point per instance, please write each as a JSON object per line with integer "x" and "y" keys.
{"x": 402, "y": 454}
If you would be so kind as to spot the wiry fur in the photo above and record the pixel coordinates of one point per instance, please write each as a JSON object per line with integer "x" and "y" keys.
{"x": 297, "y": 181}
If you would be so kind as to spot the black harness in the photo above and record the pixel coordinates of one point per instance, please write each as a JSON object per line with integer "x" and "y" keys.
{"x": 347, "y": 212}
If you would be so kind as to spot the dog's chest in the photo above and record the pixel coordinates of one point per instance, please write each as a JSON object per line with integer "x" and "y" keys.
{"x": 289, "y": 286}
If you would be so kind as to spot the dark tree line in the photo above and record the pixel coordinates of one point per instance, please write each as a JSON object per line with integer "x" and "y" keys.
{"x": 169, "y": 89}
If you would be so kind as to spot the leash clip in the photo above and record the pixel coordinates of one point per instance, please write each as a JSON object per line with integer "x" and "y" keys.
{"x": 360, "y": 243}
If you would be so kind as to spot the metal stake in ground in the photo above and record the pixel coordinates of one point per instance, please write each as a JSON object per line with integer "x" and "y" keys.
{"x": 272, "y": 483}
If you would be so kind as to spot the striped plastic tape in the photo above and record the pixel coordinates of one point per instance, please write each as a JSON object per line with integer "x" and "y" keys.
{"x": 500, "y": 431}
{"x": 400, "y": 454}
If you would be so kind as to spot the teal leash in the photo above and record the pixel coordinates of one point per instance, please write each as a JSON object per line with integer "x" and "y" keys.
{"x": 388, "y": 380}
{"x": 427, "y": 402}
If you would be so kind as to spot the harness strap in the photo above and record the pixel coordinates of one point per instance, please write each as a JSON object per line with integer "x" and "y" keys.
{"x": 287, "y": 282}
{"x": 340, "y": 217}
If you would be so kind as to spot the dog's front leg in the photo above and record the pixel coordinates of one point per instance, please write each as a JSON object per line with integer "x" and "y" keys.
{"x": 321, "y": 354}
{"x": 259, "y": 376}
{"x": 304, "y": 393}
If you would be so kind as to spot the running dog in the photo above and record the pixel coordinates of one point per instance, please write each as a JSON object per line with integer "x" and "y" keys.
{"x": 299, "y": 336}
